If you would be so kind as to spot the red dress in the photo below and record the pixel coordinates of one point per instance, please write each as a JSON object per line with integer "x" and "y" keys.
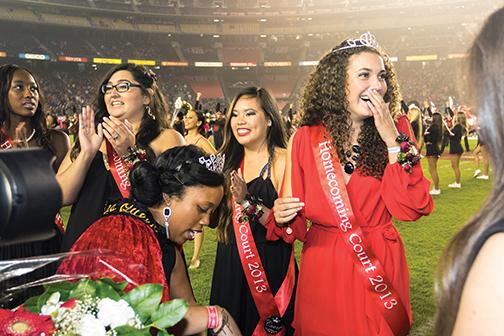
{"x": 331, "y": 298}
{"x": 138, "y": 246}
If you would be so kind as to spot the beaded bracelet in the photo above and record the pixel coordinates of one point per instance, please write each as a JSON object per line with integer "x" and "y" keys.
{"x": 408, "y": 156}
{"x": 252, "y": 208}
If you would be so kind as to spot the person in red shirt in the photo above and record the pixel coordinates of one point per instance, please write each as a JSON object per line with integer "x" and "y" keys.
{"x": 350, "y": 170}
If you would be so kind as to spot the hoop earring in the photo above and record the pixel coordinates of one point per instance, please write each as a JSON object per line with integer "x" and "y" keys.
{"x": 167, "y": 213}
{"x": 148, "y": 110}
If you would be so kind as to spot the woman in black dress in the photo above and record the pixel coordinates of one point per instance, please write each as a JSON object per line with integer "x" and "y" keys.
{"x": 254, "y": 146}
{"x": 456, "y": 133}
{"x": 172, "y": 199}
{"x": 22, "y": 125}
{"x": 433, "y": 138}
{"x": 131, "y": 118}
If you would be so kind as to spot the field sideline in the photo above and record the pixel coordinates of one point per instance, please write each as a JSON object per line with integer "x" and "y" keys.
{"x": 424, "y": 241}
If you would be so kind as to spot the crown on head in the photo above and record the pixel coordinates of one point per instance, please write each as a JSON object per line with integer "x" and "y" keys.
{"x": 365, "y": 40}
{"x": 213, "y": 162}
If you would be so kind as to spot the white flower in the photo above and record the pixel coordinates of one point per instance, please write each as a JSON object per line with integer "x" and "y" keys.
{"x": 90, "y": 326}
{"x": 115, "y": 313}
{"x": 52, "y": 305}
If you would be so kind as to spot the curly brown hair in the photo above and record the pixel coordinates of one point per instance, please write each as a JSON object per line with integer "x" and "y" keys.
{"x": 325, "y": 102}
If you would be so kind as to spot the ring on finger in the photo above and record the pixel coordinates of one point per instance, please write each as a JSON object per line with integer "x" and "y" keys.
{"x": 115, "y": 136}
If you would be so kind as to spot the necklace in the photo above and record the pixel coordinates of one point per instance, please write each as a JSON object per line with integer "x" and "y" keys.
{"x": 31, "y": 136}
{"x": 353, "y": 158}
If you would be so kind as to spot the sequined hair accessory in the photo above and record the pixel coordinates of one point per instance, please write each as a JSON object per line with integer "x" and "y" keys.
{"x": 213, "y": 162}
{"x": 365, "y": 40}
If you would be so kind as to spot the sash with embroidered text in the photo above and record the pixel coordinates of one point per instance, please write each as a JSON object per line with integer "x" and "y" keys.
{"x": 377, "y": 285}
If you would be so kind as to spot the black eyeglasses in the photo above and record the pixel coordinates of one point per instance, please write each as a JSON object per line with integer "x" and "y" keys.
{"x": 120, "y": 87}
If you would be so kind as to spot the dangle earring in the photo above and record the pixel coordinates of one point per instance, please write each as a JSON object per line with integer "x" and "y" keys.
{"x": 167, "y": 213}
{"x": 148, "y": 110}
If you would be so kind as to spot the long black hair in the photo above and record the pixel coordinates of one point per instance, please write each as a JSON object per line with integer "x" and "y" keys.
{"x": 172, "y": 172}
{"x": 201, "y": 118}
{"x": 150, "y": 128}
{"x": 486, "y": 74}
{"x": 436, "y": 128}
{"x": 276, "y": 137}
{"x": 37, "y": 122}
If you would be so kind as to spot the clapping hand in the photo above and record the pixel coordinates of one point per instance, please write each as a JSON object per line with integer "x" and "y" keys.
{"x": 21, "y": 135}
{"x": 238, "y": 186}
{"x": 119, "y": 134}
{"x": 90, "y": 138}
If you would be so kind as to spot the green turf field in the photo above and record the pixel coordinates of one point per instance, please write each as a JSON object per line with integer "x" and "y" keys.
{"x": 424, "y": 241}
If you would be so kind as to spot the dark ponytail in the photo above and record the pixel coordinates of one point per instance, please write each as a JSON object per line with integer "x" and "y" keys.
{"x": 173, "y": 171}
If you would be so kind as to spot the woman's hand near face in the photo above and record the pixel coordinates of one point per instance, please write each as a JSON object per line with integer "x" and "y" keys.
{"x": 384, "y": 122}
{"x": 20, "y": 136}
{"x": 238, "y": 186}
{"x": 90, "y": 138}
{"x": 286, "y": 208}
{"x": 119, "y": 134}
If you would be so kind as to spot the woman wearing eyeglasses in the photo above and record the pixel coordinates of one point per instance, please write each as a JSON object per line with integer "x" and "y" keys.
{"x": 131, "y": 123}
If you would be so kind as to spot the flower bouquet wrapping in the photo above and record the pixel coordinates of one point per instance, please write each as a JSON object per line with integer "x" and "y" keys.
{"x": 92, "y": 307}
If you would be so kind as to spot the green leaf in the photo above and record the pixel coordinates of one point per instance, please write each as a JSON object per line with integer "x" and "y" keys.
{"x": 61, "y": 286}
{"x": 169, "y": 313}
{"x": 104, "y": 290}
{"x": 145, "y": 299}
{"x": 118, "y": 286}
{"x": 163, "y": 333}
{"x": 130, "y": 331}
{"x": 32, "y": 305}
{"x": 84, "y": 287}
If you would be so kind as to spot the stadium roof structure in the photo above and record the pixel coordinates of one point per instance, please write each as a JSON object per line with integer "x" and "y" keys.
{"x": 237, "y": 33}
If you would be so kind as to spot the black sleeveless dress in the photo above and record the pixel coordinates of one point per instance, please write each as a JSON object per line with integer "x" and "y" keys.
{"x": 456, "y": 140}
{"x": 229, "y": 285}
{"x": 491, "y": 230}
{"x": 99, "y": 187}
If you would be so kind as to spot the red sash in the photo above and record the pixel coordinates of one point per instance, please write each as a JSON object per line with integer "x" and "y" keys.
{"x": 270, "y": 308}
{"x": 8, "y": 143}
{"x": 118, "y": 168}
{"x": 379, "y": 287}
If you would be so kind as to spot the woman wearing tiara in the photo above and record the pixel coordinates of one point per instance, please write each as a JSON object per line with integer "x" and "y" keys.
{"x": 172, "y": 199}
{"x": 253, "y": 278}
{"x": 131, "y": 122}
{"x": 350, "y": 169}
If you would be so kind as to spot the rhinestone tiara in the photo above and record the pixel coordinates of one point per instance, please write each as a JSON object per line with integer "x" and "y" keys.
{"x": 365, "y": 40}
{"x": 213, "y": 162}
